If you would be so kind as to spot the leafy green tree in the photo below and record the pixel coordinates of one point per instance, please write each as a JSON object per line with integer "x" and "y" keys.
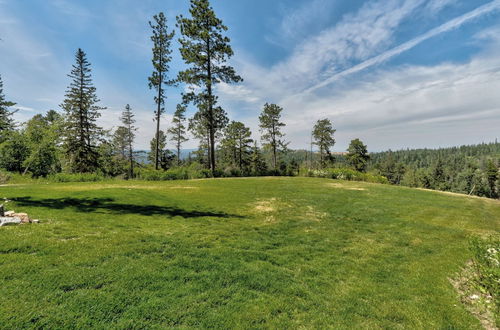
{"x": 237, "y": 144}
{"x": 178, "y": 130}
{"x": 492, "y": 177}
{"x": 128, "y": 121}
{"x": 43, "y": 136}
{"x": 110, "y": 164}
{"x": 162, "y": 40}
{"x": 206, "y": 50}
{"x": 358, "y": 156}
{"x": 270, "y": 126}
{"x": 323, "y": 137}
{"x": 81, "y": 134}
{"x": 14, "y": 151}
{"x": 6, "y": 121}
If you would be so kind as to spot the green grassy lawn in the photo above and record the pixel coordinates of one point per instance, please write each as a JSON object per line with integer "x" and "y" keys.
{"x": 237, "y": 253}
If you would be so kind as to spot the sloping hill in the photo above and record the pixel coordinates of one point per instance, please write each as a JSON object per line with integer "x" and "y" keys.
{"x": 254, "y": 252}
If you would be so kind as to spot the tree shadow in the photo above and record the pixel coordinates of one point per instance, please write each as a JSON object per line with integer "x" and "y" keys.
{"x": 87, "y": 205}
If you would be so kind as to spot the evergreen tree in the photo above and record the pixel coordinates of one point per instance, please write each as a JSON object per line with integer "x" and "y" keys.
{"x": 162, "y": 40}
{"x": 237, "y": 144}
{"x": 358, "y": 155}
{"x": 119, "y": 142}
{"x": 6, "y": 122}
{"x": 206, "y": 50}
{"x": 81, "y": 133}
{"x": 323, "y": 137}
{"x": 492, "y": 177}
{"x": 178, "y": 130}
{"x": 270, "y": 126}
{"x": 257, "y": 161}
{"x": 128, "y": 121}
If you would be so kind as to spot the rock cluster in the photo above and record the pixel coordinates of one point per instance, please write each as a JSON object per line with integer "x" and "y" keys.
{"x": 13, "y": 218}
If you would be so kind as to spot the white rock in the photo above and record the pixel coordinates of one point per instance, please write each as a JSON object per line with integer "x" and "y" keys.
{"x": 4, "y": 221}
{"x": 474, "y": 297}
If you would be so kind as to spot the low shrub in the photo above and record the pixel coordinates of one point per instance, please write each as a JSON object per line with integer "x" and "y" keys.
{"x": 76, "y": 177}
{"x": 486, "y": 263}
{"x": 4, "y": 177}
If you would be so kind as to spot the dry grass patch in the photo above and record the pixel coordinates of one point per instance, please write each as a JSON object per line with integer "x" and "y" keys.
{"x": 344, "y": 186}
{"x": 476, "y": 301}
{"x": 314, "y": 215}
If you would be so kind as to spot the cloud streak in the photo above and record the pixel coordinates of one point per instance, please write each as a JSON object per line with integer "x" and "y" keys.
{"x": 446, "y": 27}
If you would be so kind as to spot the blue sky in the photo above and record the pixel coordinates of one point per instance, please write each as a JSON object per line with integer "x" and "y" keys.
{"x": 395, "y": 73}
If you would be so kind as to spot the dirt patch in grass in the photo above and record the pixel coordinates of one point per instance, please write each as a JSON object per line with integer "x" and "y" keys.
{"x": 344, "y": 186}
{"x": 478, "y": 303}
{"x": 266, "y": 206}
{"x": 313, "y": 214}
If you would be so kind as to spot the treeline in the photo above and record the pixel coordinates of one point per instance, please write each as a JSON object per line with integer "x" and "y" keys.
{"x": 71, "y": 141}
{"x": 467, "y": 169}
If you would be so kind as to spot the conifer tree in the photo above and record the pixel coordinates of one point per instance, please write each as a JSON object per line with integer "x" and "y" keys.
{"x": 162, "y": 40}
{"x": 358, "y": 155}
{"x": 6, "y": 122}
{"x": 81, "y": 133}
{"x": 206, "y": 50}
{"x": 178, "y": 130}
{"x": 323, "y": 137}
{"x": 258, "y": 164}
{"x": 128, "y": 121}
{"x": 270, "y": 126}
{"x": 492, "y": 177}
{"x": 237, "y": 143}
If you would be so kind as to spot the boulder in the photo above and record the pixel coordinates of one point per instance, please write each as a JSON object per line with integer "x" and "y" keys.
{"x": 4, "y": 221}
{"x": 23, "y": 216}
{"x": 9, "y": 213}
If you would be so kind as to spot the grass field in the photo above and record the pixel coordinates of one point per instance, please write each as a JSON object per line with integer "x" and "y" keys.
{"x": 237, "y": 253}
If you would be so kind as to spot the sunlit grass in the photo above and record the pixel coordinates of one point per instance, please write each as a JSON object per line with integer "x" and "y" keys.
{"x": 262, "y": 252}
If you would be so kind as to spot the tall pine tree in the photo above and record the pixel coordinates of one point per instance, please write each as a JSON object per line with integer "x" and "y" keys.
{"x": 178, "y": 130}
{"x": 323, "y": 137}
{"x": 237, "y": 144}
{"x": 128, "y": 122}
{"x": 162, "y": 40}
{"x": 206, "y": 50}
{"x": 270, "y": 126}
{"x": 6, "y": 122}
{"x": 81, "y": 133}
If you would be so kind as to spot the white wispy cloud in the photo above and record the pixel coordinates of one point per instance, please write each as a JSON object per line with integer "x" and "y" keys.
{"x": 448, "y": 26}
{"x": 378, "y": 105}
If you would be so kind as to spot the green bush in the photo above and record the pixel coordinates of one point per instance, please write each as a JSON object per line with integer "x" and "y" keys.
{"x": 4, "y": 177}
{"x": 76, "y": 177}
{"x": 486, "y": 262}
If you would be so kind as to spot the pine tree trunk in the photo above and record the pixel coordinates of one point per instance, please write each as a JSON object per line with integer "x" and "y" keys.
{"x": 210, "y": 109}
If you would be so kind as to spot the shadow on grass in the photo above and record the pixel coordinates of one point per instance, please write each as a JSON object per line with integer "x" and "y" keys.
{"x": 87, "y": 205}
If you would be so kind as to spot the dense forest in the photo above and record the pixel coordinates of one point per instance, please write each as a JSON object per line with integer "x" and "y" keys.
{"x": 466, "y": 169}
{"x": 70, "y": 142}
